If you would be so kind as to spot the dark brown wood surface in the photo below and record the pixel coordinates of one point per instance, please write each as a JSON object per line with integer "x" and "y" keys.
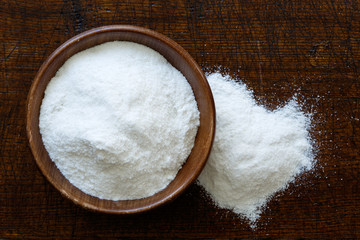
{"x": 278, "y": 48}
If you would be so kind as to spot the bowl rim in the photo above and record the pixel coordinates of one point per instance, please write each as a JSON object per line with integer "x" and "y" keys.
{"x": 63, "y": 48}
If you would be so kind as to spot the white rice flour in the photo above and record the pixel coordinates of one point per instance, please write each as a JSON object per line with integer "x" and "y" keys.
{"x": 119, "y": 121}
{"x": 256, "y": 152}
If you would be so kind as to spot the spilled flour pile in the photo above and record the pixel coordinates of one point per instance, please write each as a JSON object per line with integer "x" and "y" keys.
{"x": 256, "y": 152}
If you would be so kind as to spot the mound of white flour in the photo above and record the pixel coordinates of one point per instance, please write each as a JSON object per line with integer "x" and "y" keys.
{"x": 256, "y": 152}
{"x": 119, "y": 121}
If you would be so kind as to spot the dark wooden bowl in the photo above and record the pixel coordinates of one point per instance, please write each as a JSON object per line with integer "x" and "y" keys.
{"x": 180, "y": 59}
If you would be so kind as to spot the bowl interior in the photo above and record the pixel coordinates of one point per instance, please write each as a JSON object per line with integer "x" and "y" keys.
{"x": 180, "y": 59}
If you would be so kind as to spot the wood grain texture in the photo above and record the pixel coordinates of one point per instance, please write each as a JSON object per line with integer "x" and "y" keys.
{"x": 278, "y": 48}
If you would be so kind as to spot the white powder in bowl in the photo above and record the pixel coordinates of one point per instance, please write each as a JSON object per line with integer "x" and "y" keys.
{"x": 256, "y": 152}
{"x": 119, "y": 121}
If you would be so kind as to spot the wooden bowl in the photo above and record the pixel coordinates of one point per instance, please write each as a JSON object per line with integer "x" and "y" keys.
{"x": 180, "y": 59}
